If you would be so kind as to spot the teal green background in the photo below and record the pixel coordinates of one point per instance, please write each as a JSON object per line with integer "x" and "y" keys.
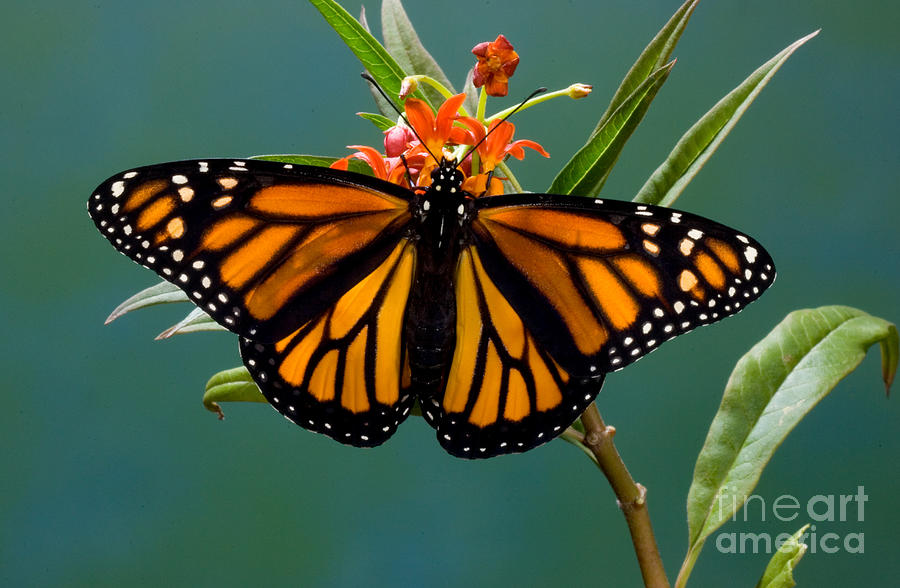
{"x": 113, "y": 473}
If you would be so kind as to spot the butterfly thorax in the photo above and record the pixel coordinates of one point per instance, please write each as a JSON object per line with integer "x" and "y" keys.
{"x": 443, "y": 212}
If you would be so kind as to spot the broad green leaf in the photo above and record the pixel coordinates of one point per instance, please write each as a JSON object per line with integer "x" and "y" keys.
{"x": 355, "y": 165}
{"x": 373, "y": 56}
{"x": 654, "y": 56}
{"x": 196, "y": 320}
{"x": 780, "y": 571}
{"x": 162, "y": 293}
{"x": 234, "y": 385}
{"x": 404, "y": 45}
{"x": 383, "y": 123}
{"x": 698, "y": 144}
{"x": 585, "y": 172}
{"x": 772, "y": 387}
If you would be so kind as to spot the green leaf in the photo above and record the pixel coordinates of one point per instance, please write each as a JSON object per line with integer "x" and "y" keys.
{"x": 471, "y": 103}
{"x": 383, "y": 123}
{"x": 698, "y": 144}
{"x": 383, "y": 106}
{"x": 780, "y": 571}
{"x": 654, "y": 56}
{"x": 234, "y": 385}
{"x": 355, "y": 165}
{"x": 576, "y": 437}
{"x": 772, "y": 387}
{"x": 196, "y": 320}
{"x": 373, "y": 56}
{"x": 162, "y": 293}
{"x": 585, "y": 172}
{"x": 404, "y": 45}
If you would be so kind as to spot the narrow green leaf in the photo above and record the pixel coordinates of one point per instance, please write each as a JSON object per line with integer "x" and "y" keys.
{"x": 772, "y": 387}
{"x": 162, "y": 293}
{"x": 654, "y": 56}
{"x": 373, "y": 56}
{"x": 355, "y": 165}
{"x": 572, "y": 436}
{"x": 585, "y": 172}
{"x": 471, "y": 103}
{"x": 404, "y": 45}
{"x": 234, "y": 385}
{"x": 363, "y": 21}
{"x": 780, "y": 571}
{"x": 196, "y": 320}
{"x": 698, "y": 144}
{"x": 383, "y": 123}
{"x": 380, "y": 102}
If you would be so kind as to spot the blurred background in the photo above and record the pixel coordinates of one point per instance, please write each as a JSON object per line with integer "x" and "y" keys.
{"x": 114, "y": 474}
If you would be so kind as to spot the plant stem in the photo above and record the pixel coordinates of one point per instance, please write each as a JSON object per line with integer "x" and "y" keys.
{"x": 632, "y": 497}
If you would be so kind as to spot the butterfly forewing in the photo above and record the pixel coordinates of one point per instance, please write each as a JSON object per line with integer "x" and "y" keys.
{"x": 261, "y": 246}
{"x": 602, "y": 283}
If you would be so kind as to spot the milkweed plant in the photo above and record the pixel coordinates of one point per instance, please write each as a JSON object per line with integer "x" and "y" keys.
{"x": 771, "y": 388}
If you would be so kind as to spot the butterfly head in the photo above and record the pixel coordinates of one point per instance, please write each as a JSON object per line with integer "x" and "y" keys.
{"x": 446, "y": 178}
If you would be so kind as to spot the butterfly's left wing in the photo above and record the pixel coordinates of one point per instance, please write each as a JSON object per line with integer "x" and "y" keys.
{"x": 555, "y": 291}
{"x": 311, "y": 266}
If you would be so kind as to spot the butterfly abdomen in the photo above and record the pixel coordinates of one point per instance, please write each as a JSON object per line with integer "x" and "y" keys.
{"x": 430, "y": 332}
{"x": 430, "y": 327}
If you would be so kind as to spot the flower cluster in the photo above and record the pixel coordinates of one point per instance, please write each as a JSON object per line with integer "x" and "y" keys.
{"x": 414, "y": 146}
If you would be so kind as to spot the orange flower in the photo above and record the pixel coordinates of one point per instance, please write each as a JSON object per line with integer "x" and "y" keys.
{"x": 499, "y": 144}
{"x": 477, "y": 185}
{"x": 408, "y": 162}
{"x": 437, "y": 131}
{"x": 496, "y": 64}
{"x": 384, "y": 168}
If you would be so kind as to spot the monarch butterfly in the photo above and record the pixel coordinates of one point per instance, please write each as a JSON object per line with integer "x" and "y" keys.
{"x": 354, "y": 297}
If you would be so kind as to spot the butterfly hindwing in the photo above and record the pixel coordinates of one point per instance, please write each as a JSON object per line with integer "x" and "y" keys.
{"x": 601, "y": 283}
{"x": 261, "y": 246}
{"x": 503, "y": 393}
{"x": 340, "y": 373}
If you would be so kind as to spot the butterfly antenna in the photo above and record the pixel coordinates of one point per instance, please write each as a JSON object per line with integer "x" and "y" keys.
{"x": 511, "y": 112}
{"x": 409, "y": 179}
{"x": 365, "y": 75}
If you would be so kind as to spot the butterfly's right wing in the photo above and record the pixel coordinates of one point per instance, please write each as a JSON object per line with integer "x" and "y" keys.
{"x": 504, "y": 392}
{"x": 553, "y": 291}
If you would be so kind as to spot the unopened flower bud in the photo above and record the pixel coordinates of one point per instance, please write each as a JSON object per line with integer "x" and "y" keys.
{"x": 579, "y": 90}
{"x": 409, "y": 85}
